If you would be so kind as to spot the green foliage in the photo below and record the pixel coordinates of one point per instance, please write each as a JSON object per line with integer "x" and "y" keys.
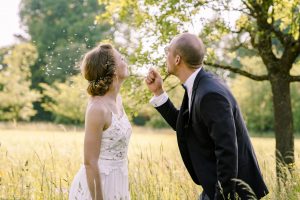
{"x": 3, "y": 51}
{"x": 136, "y": 101}
{"x": 255, "y": 98}
{"x": 157, "y": 121}
{"x": 66, "y": 101}
{"x": 226, "y": 43}
{"x": 62, "y": 30}
{"x": 295, "y": 93}
{"x": 60, "y": 62}
{"x": 16, "y": 97}
{"x": 256, "y": 104}
{"x": 286, "y": 16}
{"x": 146, "y": 27}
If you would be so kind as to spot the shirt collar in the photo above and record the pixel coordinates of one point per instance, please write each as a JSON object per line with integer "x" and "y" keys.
{"x": 190, "y": 82}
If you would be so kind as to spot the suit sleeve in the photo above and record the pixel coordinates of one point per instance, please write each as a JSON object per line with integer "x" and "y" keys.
{"x": 169, "y": 113}
{"x": 217, "y": 114}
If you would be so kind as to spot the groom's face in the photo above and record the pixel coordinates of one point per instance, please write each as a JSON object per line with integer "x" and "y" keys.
{"x": 170, "y": 59}
{"x": 173, "y": 59}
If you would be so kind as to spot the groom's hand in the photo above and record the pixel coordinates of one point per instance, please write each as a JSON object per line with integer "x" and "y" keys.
{"x": 154, "y": 82}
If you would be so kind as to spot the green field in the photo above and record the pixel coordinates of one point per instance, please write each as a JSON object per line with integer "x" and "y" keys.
{"x": 40, "y": 164}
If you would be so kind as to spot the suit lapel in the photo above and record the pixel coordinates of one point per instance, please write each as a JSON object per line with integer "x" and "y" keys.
{"x": 199, "y": 76}
{"x": 183, "y": 114}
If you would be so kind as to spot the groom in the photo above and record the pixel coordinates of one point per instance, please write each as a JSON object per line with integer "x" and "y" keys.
{"x": 211, "y": 134}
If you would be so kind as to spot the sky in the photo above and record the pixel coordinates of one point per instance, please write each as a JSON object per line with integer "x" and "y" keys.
{"x": 9, "y": 22}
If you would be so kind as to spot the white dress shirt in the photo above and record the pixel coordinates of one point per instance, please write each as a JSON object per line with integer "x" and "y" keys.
{"x": 157, "y": 101}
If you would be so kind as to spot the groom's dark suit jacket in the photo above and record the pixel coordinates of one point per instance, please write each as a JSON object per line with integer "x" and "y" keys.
{"x": 213, "y": 139}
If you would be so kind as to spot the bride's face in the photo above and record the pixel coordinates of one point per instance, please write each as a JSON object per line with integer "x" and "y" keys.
{"x": 121, "y": 66}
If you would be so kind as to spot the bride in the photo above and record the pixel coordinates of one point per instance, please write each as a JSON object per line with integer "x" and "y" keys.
{"x": 104, "y": 174}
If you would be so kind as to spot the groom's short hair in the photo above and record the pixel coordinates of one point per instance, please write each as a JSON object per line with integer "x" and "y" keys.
{"x": 190, "y": 48}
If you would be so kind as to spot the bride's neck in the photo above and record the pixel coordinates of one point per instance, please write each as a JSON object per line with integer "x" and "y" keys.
{"x": 114, "y": 90}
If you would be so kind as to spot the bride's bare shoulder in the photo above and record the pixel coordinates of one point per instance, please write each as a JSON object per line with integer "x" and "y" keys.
{"x": 97, "y": 107}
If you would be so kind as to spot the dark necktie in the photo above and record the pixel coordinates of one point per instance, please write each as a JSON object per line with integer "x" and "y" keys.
{"x": 185, "y": 104}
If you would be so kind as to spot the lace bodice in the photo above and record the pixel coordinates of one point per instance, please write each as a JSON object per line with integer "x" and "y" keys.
{"x": 115, "y": 139}
{"x": 113, "y": 164}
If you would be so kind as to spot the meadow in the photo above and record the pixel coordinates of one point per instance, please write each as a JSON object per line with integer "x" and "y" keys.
{"x": 40, "y": 161}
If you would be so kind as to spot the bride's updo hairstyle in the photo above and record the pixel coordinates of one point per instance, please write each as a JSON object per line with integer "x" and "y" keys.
{"x": 98, "y": 67}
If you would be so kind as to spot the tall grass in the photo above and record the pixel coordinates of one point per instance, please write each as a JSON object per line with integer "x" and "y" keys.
{"x": 40, "y": 164}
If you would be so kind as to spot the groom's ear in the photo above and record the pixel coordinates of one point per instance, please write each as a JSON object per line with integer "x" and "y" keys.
{"x": 177, "y": 59}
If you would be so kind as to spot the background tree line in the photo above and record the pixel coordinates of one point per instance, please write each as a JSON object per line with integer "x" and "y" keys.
{"x": 66, "y": 101}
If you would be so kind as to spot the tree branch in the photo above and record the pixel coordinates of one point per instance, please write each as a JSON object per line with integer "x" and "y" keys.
{"x": 280, "y": 35}
{"x": 290, "y": 53}
{"x": 252, "y": 12}
{"x": 286, "y": 39}
{"x": 239, "y": 71}
{"x": 294, "y": 78}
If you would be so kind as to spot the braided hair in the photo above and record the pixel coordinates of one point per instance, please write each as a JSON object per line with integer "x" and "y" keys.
{"x": 98, "y": 67}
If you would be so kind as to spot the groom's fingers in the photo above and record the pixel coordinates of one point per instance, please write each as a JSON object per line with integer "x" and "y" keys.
{"x": 152, "y": 72}
{"x": 152, "y": 75}
{"x": 156, "y": 74}
{"x": 149, "y": 79}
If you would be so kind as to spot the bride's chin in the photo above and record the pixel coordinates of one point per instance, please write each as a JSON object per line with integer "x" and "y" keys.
{"x": 126, "y": 75}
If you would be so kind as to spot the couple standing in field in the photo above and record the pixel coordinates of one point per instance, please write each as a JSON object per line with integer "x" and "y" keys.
{"x": 212, "y": 137}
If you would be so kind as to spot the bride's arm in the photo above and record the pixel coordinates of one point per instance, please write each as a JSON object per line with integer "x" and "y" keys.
{"x": 94, "y": 125}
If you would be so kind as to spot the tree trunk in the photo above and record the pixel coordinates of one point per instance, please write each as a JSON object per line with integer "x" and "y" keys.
{"x": 283, "y": 124}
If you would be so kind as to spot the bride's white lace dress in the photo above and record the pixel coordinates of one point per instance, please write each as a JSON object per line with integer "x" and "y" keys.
{"x": 113, "y": 164}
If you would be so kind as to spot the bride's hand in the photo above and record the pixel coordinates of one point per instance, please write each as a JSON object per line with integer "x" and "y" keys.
{"x": 154, "y": 82}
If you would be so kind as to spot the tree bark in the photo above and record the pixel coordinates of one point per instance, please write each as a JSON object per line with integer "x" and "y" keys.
{"x": 283, "y": 124}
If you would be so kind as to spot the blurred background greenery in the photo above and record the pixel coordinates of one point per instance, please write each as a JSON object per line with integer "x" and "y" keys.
{"x": 40, "y": 81}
